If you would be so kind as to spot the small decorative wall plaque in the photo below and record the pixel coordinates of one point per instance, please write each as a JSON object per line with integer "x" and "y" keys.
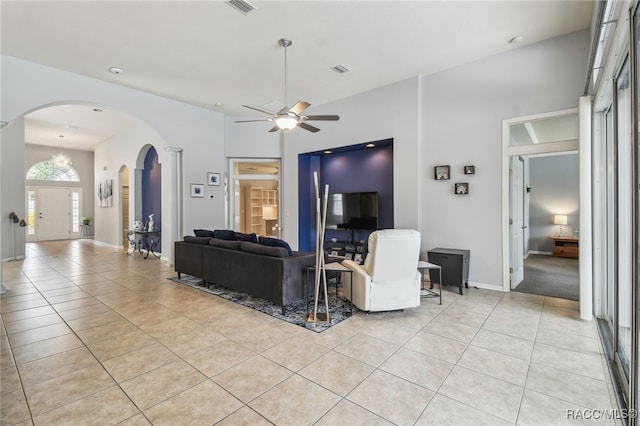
{"x": 469, "y": 170}
{"x": 442, "y": 172}
{"x": 461, "y": 188}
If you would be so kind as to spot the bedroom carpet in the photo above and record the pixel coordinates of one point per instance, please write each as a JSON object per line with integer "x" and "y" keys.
{"x": 551, "y": 276}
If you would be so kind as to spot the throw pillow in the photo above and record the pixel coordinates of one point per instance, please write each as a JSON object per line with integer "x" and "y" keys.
{"x": 224, "y": 234}
{"x": 263, "y": 250}
{"x": 203, "y": 233}
{"x": 233, "y": 245}
{"x": 274, "y": 242}
{"x": 252, "y": 238}
{"x": 196, "y": 240}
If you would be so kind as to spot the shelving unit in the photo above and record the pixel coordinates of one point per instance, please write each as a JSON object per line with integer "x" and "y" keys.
{"x": 270, "y": 211}
{"x": 254, "y": 220}
{"x": 261, "y": 211}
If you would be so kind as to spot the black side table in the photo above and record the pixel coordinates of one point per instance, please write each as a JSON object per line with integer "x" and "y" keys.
{"x": 454, "y": 264}
{"x": 144, "y": 242}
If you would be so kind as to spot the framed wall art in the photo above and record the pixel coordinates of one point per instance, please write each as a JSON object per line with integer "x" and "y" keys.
{"x": 442, "y": 172}
{"x": 213, "y": 179}
{"x": 469, "y": 170}
{"x": 461, "y": 188}
{"x": 197, "y": 190}
{"x": 105, "y": 193}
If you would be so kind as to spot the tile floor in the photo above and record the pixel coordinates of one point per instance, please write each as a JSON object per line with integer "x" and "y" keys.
{"x": 93, "y": 336}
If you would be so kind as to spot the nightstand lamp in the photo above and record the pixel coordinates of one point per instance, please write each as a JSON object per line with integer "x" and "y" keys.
{"x": 560, "y": 219}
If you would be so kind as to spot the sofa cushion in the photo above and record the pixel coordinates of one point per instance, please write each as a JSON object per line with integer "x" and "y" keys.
{"x": 275, "y": 242}
{"x": 263, "y": 250}
{"x": 252, "y": 238}
{"x": 196, "y": 240}
{"x": 224, "y": 234}
{"x": 203, "y": 233}
{"x": 233, "y": 245}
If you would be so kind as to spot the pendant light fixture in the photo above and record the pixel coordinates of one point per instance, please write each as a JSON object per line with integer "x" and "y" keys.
{"x": 61, "y": 160}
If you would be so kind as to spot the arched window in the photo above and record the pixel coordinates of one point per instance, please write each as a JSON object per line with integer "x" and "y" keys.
{"x": 49, "y": 170}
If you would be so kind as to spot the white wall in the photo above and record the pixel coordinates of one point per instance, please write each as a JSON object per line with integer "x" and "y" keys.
{"x": 461, "y": 123}
{"x": 162, "y": 122}
{"x": 12, "y": 175}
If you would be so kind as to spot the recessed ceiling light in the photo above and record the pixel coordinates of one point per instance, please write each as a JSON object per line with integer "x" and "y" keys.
{"x": 71, "y": 127}
{"x": 516, "y": 40}
{"x": 97, "y": 110}
{"x": 328, "y": 151}
{"x": 116, "y": 70}
{"x": 370, "y": 145}
{"x": 218, "y": 104}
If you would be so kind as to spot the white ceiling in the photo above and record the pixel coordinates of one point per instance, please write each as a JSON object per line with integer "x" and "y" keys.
{"x": 206, "y": 53}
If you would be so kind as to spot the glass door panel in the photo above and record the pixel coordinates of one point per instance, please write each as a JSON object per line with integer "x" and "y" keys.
{"x": 610, "y": 221}
{"x": 624, "y": 220}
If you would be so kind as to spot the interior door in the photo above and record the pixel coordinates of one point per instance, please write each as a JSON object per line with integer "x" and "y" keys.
{"x": 53, "y": 214}
{"x": 517, "y": 221}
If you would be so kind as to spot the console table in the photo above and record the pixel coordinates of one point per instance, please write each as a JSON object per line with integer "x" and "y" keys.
{"x": 144, "y": 242}
{"x": 565, "y": 247}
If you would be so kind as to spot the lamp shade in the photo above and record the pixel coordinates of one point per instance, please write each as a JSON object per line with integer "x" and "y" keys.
{"x": 286, "y": 122}
{"x": 560, "y": 219}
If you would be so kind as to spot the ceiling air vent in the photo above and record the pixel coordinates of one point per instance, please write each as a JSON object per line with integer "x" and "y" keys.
{"x": 241, "y": 6}
{"x": 340, "y": 69}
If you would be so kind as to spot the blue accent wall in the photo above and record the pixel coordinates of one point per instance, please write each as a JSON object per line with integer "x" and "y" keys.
{"x": 347, "y": 169}
{"x": 152, "y": 190}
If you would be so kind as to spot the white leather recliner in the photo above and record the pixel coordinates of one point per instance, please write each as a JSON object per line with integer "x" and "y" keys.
{"x": 389, "y": 279}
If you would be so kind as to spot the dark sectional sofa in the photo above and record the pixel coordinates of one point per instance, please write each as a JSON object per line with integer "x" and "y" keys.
{"x": 268, "y": 272}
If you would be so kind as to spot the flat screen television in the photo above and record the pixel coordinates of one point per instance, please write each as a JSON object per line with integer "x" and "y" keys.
{"x": 352, "y": 210}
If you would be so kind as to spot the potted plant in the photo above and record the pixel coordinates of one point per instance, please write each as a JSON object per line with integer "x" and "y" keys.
{"x": 86, "y": 220}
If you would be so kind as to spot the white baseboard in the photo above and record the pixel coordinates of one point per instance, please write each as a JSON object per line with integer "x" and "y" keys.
{"x": 11, "y": 259}
{"x": 544, "y": 253}
{"x": 486, "y": 286}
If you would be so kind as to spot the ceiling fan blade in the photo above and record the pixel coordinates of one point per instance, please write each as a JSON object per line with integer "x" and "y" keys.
{"x": 274, "y": 129}
{"x": 321, "y": 117}
{"x": 308, "y": 127}
{"x": 299, "y": 107}
{"x": 258, "y": 109}
{"x": 251, "y": 121}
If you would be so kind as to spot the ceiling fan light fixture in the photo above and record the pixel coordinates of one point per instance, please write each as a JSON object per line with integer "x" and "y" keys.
{"x": 286, "y": 122}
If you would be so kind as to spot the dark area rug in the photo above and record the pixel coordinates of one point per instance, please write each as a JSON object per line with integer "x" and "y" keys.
{"x": 551, "y": 276}
{"x": 295, "y": 312}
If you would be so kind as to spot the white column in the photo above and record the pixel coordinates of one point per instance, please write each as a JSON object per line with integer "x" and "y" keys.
{"x": 585, "y": 250}
{"x": 173, "y": 211}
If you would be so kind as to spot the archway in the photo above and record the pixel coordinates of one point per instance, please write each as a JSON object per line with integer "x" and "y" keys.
{"x": 110, "y": 155}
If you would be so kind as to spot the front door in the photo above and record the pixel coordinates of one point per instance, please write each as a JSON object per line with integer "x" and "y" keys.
{"x": 53, "y": 214}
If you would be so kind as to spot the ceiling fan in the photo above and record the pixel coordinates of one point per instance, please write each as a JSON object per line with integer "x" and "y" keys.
{"x": 289, "y": 118}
